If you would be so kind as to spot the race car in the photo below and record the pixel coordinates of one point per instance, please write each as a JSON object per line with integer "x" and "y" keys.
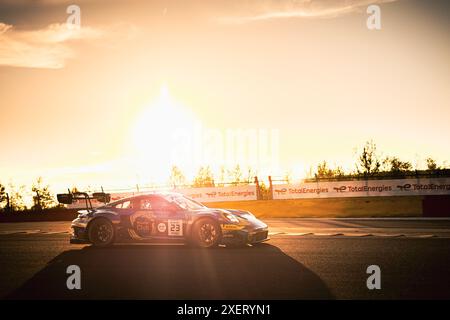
{"x": 161, "y": 216}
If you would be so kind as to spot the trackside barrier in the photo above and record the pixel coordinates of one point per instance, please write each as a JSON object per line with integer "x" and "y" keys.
{"x": 365, "y": 188}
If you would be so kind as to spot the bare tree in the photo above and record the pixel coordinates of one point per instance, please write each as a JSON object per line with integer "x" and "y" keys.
{"x": 431, "y": 164}
{"x": 74, "y": 189}
{"x": 221, "y": 177}
{"x": 264, "y": 190}
{"x": 42, "y": 197}
{"x": 3, "y": 196}
{"x": 235, "y": 175}
{"x": 368, "y": 161}
{"x": 395, "y": 165}
{"x": 324, "y": 171}
{"x": 16, "y": 201}
{"x": 177, "y": 177}
{"x": 204, "y": 178}
{"x": 251, "y": 174}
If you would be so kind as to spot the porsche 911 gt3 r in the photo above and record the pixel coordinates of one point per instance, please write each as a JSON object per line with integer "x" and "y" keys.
{"x": 164, "y": 216}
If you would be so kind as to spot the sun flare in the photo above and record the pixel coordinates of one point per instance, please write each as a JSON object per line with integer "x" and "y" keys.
{"x": 155, "y": 135}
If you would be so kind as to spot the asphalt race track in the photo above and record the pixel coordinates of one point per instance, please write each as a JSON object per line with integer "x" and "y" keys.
{"x": 305, "y": 259}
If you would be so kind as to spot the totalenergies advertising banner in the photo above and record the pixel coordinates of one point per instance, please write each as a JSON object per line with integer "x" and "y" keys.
{"x": 216, "y": 194}
{"x": 212, "y": 194}
{"x": 365, "y": 188}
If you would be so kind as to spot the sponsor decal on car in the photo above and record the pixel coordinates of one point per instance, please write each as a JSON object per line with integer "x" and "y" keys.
{"x": 162, "y": 227}
{"x": 142, "y": 226}
{"x": 231, "y": 227}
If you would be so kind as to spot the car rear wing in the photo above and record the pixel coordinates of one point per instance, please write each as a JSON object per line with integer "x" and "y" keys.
{"x": 69, "y": 198}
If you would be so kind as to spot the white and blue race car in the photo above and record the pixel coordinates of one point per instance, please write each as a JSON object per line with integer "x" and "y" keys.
{"x": 162, "y": 216}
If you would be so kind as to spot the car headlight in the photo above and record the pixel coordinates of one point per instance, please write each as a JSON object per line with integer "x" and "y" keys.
{"x": 231, "y": 217}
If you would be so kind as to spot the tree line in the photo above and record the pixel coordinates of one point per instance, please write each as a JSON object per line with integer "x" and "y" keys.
{"x": 369, "y": 164}
{"x": 14, "y": 200}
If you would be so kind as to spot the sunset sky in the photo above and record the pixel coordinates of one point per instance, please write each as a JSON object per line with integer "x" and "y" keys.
{"x": 99, "y": 105}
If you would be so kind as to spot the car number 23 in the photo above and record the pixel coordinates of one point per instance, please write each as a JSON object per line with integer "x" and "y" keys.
{"x": 175, "y": 227}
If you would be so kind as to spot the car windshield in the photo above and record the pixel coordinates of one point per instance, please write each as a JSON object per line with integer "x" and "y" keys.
{"x": 184, "y": 202}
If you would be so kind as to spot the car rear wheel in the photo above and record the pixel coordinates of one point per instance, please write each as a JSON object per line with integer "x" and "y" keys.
{"x": 101, "y": 233}
{"x": 206, "y": 233}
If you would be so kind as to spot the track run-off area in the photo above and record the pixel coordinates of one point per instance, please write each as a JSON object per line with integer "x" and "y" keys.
{"x": 304, "y": 259}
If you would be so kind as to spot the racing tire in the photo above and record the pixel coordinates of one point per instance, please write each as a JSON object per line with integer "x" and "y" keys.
{"x": 101, "y": 233}
{"x": 206, "y": 233}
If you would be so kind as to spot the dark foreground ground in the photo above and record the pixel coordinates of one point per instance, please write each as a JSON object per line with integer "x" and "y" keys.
{"x": 305, "y": 259}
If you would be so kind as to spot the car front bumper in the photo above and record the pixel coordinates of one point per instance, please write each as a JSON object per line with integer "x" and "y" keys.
{"x": 245, "y": 236}
{"x": 257, "y": 236}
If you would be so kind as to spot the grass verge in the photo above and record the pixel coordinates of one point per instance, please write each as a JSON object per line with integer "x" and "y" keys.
{"x": 330, "y": 208}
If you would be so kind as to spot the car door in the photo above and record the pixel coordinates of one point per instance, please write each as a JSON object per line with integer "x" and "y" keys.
{"x": 141, "y": 220}
{"x": 170, "y": 219}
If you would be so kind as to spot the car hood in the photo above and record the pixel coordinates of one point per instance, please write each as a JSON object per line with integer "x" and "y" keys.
{"x": 246, "y": 216}
{"x": 239, "y": 213}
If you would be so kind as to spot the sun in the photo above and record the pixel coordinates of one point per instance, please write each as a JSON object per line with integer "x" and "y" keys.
{"x": 155, "y": 135}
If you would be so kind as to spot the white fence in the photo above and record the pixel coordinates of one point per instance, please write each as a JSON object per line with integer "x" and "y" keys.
{"x": 366, "y": 188}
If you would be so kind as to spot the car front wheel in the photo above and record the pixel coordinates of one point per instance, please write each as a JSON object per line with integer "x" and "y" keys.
{"x": 101, "y": 233}
{"x": 206, "y": 233}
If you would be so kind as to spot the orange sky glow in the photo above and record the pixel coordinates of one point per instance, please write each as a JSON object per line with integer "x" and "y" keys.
{"x": 145, "y": 85}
